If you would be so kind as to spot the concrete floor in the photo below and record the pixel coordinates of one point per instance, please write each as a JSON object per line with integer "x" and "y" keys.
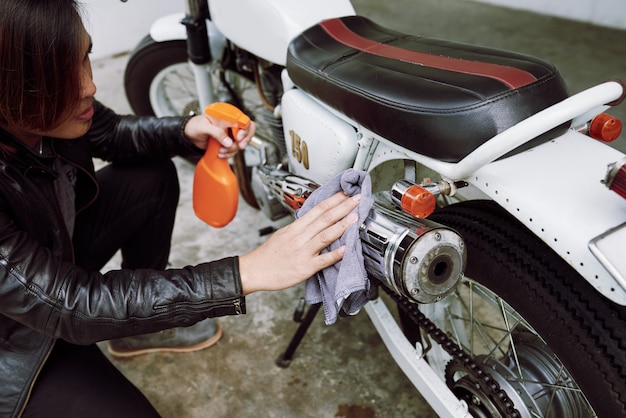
{"x": 342, "y": 370}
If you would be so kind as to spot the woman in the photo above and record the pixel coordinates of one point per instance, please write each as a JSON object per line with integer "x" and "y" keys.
{"x": 60, "y": 222}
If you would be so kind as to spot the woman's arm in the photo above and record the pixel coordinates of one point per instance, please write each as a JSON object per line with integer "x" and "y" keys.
{"x": 62, "y": 300}
{"x": 125, "y": 138}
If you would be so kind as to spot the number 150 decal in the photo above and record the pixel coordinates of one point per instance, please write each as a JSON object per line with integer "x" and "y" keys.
{"x": 299, "y": 149}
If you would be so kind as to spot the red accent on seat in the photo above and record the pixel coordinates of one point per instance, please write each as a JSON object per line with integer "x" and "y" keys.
{"x": 509, "y": 76}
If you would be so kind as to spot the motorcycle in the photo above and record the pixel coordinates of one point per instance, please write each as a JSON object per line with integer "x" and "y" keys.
{"x": 509, "y": 282}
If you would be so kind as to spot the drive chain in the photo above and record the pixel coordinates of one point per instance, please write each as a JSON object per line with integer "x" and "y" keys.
{"x": 460, "y": 356}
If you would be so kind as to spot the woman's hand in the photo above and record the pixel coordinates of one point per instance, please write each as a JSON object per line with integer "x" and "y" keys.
{"x": 199, "y": 129}
{"x": 292, "y": 254}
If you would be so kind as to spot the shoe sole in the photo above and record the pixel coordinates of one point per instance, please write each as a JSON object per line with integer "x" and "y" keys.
{"x": 186, "y": 349}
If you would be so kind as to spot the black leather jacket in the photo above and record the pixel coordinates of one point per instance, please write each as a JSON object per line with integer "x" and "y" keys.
{"x": 44, "y": 296}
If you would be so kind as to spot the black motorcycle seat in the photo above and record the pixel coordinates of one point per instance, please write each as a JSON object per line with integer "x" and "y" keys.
{"x": 435, "y": 97}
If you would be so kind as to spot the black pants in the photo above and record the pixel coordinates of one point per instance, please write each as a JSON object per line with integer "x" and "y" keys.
{"x": 134, "y": 213}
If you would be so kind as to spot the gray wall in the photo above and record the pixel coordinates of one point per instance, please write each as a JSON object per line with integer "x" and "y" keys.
{"x": 117, "y": 27}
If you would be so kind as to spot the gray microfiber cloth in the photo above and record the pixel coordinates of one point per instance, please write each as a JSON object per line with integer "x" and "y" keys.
{"x": 342, "y": 288}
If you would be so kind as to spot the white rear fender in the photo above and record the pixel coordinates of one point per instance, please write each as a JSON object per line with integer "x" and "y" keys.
{"x": 555, "y": 190}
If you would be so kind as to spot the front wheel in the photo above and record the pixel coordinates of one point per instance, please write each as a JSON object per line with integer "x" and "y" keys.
{"x": 552, "y": 343}
{"x": 158, "y": 80}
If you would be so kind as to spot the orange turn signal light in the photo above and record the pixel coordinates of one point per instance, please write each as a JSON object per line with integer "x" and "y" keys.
{"x": 605, "y": 128}
{"x": 418, "y": 201}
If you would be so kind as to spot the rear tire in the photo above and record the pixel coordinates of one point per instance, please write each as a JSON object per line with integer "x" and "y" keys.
{"x": 521, "y": 308}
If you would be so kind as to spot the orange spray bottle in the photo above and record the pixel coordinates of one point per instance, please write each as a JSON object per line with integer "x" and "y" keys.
{"x": 215, "y": 188}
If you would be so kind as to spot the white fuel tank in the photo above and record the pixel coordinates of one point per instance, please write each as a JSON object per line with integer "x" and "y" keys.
{"x": 265, "y": 27}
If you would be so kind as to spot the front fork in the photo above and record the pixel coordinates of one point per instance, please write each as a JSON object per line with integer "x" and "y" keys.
{"x": 199, "y": 49}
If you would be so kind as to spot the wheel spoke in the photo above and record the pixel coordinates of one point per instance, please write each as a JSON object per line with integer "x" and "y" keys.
{"x": 509, "y": 336}
{"x": 491, "y": 330}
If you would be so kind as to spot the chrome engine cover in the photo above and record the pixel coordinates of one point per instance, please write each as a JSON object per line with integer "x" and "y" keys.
{"x": 419, "y": 259}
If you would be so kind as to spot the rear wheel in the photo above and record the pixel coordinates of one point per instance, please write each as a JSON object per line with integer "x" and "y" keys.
{"x": 550, "y": 341}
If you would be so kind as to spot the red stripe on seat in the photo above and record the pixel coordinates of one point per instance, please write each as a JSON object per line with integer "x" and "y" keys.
{"x": 509, "y": 76}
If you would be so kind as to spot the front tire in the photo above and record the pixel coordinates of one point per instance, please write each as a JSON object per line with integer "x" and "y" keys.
{"x": 551, "y": 341}
{"x": 158, "y": 81}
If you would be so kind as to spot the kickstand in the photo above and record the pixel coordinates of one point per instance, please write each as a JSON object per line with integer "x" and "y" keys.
{"x": 285, "y": 359}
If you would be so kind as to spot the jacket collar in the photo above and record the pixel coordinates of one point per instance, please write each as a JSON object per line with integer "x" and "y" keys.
{"x": 27, "y": 159}
{"x": 41, "y": 157}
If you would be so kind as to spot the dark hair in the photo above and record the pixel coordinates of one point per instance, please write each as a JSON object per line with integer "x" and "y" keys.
{"x": 40, "y": 58}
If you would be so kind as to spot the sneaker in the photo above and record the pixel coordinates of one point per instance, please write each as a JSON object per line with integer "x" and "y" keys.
{"x": 196, "y": 337}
